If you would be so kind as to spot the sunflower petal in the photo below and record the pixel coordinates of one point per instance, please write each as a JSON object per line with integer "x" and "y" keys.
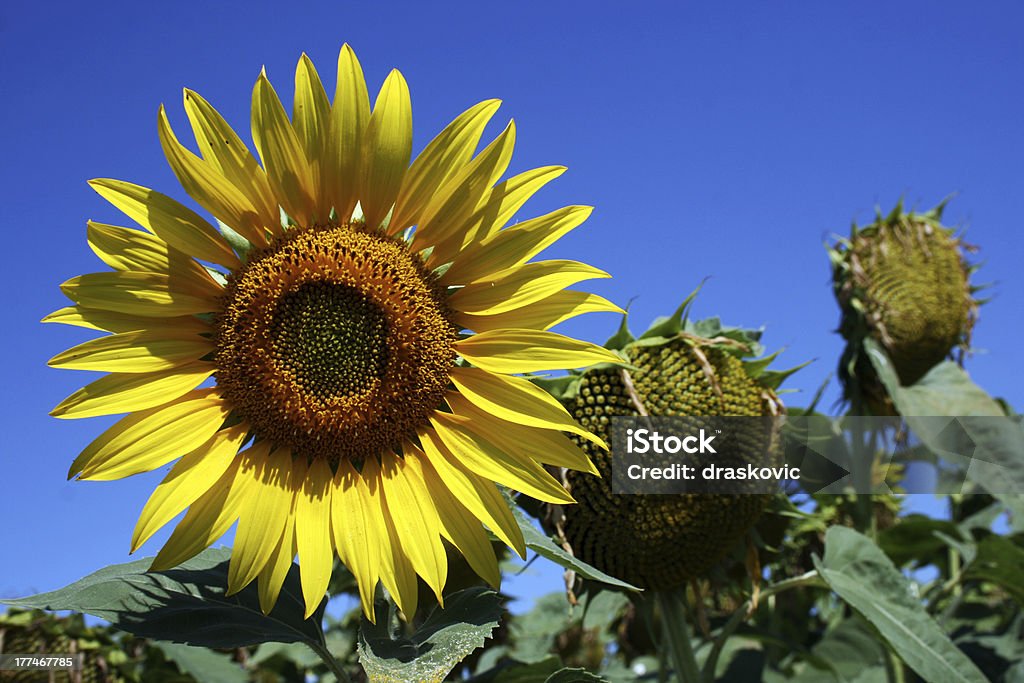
{"x": 495, "y": 209}
{"x": 491, "y": 461}
{"x": 519, "y": 286}
{"x": 453, "y": 203}
{"x": 540, "y": 315}
{"x": 144, "y": 294}
{"x": 512, "y": 351}
{"x": 141, "y": 351}
{"x": 387, "y": 147}
{"x": 438, "y": 162}
{"x": 221, "y": 147}
{"x": 191, "y": 477}
{"x": 415, "y": 519}
{"x": 175, "y": 224}
{"x": 112, "y": 321}
{"x": 478, "y": 495}
{"x": 313, "y": 531}
{"x": 146, "y": 440}
{"x": 356, "y": 531}
{"x": 311, "y": 119}
{"x": 281, "y": 151}
{"x": 461, "y": 527}
{"x": 349, "y": 116}
{"x": 516, "y": 400}
{"x": 129, "y": 392}
{"x": 262, "y": 517}
{"x": 513, "y": 246}
{"x": 396, "y": 571}
{"x": 207, "y": 519}
{"x": 211, "y": 189}
{"x": 276, "y": 570}
{"x": 127, "y": 249}
{"x": 524, "y": 443}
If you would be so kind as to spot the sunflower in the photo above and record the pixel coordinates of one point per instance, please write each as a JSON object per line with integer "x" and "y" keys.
{"x": 337, "y": 366}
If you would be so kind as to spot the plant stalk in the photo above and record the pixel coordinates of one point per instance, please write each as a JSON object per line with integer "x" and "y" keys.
{"x": 673, "y": 616}
{"x": 332, "y": 663}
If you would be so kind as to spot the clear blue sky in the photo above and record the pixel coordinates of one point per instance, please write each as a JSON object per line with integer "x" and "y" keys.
{"x": 724, "y": 140}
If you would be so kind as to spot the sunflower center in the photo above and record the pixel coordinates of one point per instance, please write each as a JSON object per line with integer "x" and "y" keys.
{"x": 332, "y": 337}
{"x": 334, "y": 342}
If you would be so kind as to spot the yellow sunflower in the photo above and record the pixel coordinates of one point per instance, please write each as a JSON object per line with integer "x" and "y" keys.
{"x": 363, "y": 320}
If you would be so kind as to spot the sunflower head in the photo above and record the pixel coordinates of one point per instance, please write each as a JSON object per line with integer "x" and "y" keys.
{"x": 336, "y": 365}
{"x": 903, "y": 281}
{"x": 682, "y": 369}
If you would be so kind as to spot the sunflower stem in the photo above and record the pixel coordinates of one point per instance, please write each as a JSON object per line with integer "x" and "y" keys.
{"x": 673, "y": 615}
{"x": 333, "y": 665}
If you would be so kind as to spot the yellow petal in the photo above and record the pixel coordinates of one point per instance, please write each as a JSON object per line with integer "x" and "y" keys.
{"x": 311, "y": 119}
{"x": 542, "y": 314}
{"x": 206, "y": 520}
{"x": 112, "y": 321}
{"x": 453, "y": 203}
{"x": 127, "y": 249}
{"x": 143, "y": 351}
{"x": 122, "y": 393}
{"x": 524, "y": 443}
{"x": 349, "y": 115}
{"x": 512, "y": 351}
{"x": 221, "y": 147}
{"x": 495, "y": 209}
{"x": 263, "y": 515}
{"x": 478, "y": 495}
{"x": 461, "y": 527}
{"x": 144, "y": 294}
{"x": 313, "y": 531}
{"x": 146, "y": 440}
{"x": 519, "y": 286}
{"x": 281, "y": 151}
{"x": 396, "y": 572}
{"x": 175, "y": 224}
{"x": 517, "y": 400}
{"x": 191, "y": 477}
{"x": 387, "y": 147}
{"x": 513, "y": 246}
{"x": 210, "y": 188}
{"x": 491, "y": 461}
{"x": 438, "y": 162}
{"x": 276, "y": 570}
{"x": 356, "y": 532}
{"x": 415, "y": 518}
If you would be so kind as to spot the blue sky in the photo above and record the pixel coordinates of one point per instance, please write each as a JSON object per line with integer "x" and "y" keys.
{"x": 714, "y": 141}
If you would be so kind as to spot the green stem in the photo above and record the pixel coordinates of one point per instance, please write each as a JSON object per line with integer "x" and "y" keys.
{"x": 673, "y": 616}
{"x": 894, "y": 669}
{"x": 332, "y": 663}
{"x": 811, "y": 578}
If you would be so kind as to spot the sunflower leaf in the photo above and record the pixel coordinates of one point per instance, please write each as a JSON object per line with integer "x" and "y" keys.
{"x": 202, "y": 664}
{"x": 861, "y": 574}
{"x": 447, "y": 637}
{"x": 185, "y": 604}
{"x": 545, "y": 546}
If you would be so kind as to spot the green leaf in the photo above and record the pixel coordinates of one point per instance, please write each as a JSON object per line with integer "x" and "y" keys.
{"x": 546, "y": 547}
{"x": 185, "y": 604}
{"x": 537, "y": 672}
{"x": 851, "y": 652}
{"x": 999, "y": 560}
{"x": 203, "y": 665}
{"x": 574, "y": 676}
{"x": 997, "y": 444}
{"x": 447, "y": 637}
{"x": 860, "y": 573}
